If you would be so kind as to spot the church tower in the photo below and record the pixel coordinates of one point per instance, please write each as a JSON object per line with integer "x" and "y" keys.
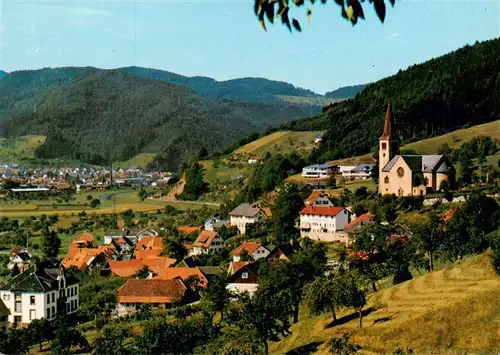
{"x": 384, "y": 148}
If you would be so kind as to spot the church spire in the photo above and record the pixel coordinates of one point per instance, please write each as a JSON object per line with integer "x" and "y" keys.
{"x": 387, "y": 123}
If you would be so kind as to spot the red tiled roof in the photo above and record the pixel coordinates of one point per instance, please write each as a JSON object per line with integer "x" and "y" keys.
{"x": 234, "y": 266}
{"x": 150, "y": 243}
{"x": 121, "y": 240}
{"x": 128, "y": 268}
{"x": 148, "y": 253}
{"x": 312, "y": 197}
{"x": 188, "y": 229}
{"x": 151, "y": 291}
{"x": 84, "y": 238}
{"x": 364, "y": 217}
{"x": 322, "y": 210}
{"x": 188, "y": 246}
{"x": 182, "y": 272}
{"x": 447, "y": 215}
{"x": 250, "y": 247}
{"x": 16, "y": 250}
{"x": 80, "y": 258}
{"x": 205, "y": 239}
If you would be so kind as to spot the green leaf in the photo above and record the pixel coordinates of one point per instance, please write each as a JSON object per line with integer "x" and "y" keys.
{"x": 296, "y": 25}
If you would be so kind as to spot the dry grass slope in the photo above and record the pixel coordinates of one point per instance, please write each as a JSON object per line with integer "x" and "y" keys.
{"x": 453, "y": 310}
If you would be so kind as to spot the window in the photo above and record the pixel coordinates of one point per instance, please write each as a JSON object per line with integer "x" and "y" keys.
{"x": 384, "y": 146}
{"x": 32, "y": 314}
{"x": 53, "y": 296}
{"x": 48, "y": 313}
{"x": 47, "y": 298}
{"x": 32, "y": 300}
{"x": 401, "y": 172}
{"x": 244, "y": 275}
{"x": 386, "y": 180}
{"x": 6, "y": 297}
{"x": 17, "y": 306}
{"x": 53, "y": 311}
{"x": 17, "y": 296}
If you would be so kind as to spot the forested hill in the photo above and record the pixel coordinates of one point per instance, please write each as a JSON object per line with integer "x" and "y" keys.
{"x": 456, "y": 90}
{"x": 2, "y": 74}
{"x": 345, "y": 92}
{"x": 91, "y": 114}
{"x": 245, "y": 89}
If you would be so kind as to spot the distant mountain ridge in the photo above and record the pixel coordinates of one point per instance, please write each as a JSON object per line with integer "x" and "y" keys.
{"x": 2, "y": 74}
{"x": 92, "y": 115}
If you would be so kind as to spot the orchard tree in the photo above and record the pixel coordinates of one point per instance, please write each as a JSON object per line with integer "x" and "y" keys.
{"x": 324, "y": 295}
{"x": 218, "y": 295}
{"x": 286, "y": 210}
{"x": 111, "y": 340}
{"x": 429, "y": 237}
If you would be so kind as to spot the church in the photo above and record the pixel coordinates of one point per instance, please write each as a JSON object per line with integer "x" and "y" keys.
{"x": 409, "y": 175}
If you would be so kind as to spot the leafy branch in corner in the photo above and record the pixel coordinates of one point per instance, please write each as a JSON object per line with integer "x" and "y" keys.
{"x": 351, "y": 10}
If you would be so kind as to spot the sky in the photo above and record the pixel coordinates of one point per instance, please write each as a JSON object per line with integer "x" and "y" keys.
{"x": 223, "y": 39}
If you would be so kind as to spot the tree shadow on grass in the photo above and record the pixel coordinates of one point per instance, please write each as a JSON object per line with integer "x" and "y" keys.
{"x": 347, "y": 318}
{"x": 384, "y": 319}
{"x": 307, "y": 349}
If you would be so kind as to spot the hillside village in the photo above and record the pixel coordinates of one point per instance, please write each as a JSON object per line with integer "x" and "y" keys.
{"x": 312, "y": 249}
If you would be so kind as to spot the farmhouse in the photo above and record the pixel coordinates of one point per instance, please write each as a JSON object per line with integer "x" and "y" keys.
{"x": 39, "y": 293}
{"x": 245, "y": 214}
{"x": 324, "y": 223}
{"x": 157, "y": 293}
{"x": 409, "y": 175}
{"x": 253, "y": 249}
{"x": 318, "y": 171}
{"x": 253, "y": 160}
{"x": 207, "y": 242}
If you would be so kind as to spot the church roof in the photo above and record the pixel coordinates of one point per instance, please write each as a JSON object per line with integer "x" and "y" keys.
{"x": 422, "y": 163}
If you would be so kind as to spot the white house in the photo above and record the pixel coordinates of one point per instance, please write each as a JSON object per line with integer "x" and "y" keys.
{"x": 325, "y": 223}
{"x": 39, "y": 293}
{"x": 253, "y": 160}
{"x": 318, "y": 139}
{"x": 244, "y": 214}
{"x": 133, "y": 234}
{"x": 361, "y": 171}
{"x": 253, "y": 249}
{"x": 244, "y": 277}
{"x": 19, "y": 256}
{"x": 214, "y": 223}
{"x": 317, "y": 171}
{"x": 207, "y": 242}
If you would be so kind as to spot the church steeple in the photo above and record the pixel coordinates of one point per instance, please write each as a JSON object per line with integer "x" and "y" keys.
{"x": 386, "y": 134}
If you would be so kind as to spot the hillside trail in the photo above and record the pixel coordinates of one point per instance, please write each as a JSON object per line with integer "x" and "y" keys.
{"x": 176, "y": 190}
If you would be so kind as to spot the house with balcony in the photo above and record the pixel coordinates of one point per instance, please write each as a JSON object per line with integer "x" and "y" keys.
{"x": 37, "y": 293}
{"x": 318, "y": 171}
{"x": 324, "y": 223}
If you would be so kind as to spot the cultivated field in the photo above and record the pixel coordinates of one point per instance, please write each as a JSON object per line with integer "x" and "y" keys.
{"x": 453, "y": 310}
{"x": 279, "y": 142}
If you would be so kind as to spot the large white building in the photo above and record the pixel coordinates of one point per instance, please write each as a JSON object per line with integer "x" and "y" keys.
{"x": 318, "y": 171}
{"x": 361, "y": 171}
{"x": 39, "y": 293}
{"x": 325, "y": 223}
{"x": 244, "y": 214}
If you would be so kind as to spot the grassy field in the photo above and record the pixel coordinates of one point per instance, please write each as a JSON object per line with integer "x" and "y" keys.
{"x": 279, "y": 142}
{"x": 225, "y": 172}
{"x": 19, "y": 148}
{"x": 142, "y": 160}
{"x": 452, "y": 310}
{"x": 125, "y": 200}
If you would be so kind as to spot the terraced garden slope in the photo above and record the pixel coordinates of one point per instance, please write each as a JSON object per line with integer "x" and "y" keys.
{"x": 453, "y": 310}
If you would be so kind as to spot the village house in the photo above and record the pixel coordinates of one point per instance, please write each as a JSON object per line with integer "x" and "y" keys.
{"x": 361, "y": 171}
{"x": 324, "y": 223}
{"x": 83, "y": 258}
{"x": 183, "y": 273}
{"x": 215, "y": 222}
{"x": 20, "y": 257}
{"x": 409, "y": 175}
{"x": 245, "y": 214}
{"x": 243, "y": 277}
{"x": 353, "y": 227}
{"x": 192, "y": 262}
{"x": 281, "y": 253}
{"x": 207, "y": 242}
{"x": 253, "y": 160}
{"x": 148, "y": 247}
{"x": 318, "y": 171}
{"x": 133, "y": 234}
{"x": 160, "y": 294}
{"x": 39, "y": 293}
{"x": 129, "y": 268}
{"x": 255, "y": 250}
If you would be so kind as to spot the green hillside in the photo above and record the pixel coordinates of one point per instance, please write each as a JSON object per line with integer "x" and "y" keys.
{"x": 453, "y": 310}
{"x": 345, "y": 92}
{"x": 456, "y": 90}
{"x": 2, "y": 74}
{"x": 93, "y": 115}
{"x": 19, "y": 148}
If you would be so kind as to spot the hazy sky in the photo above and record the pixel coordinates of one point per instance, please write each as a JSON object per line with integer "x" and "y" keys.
{"x": 222, "y": 39}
